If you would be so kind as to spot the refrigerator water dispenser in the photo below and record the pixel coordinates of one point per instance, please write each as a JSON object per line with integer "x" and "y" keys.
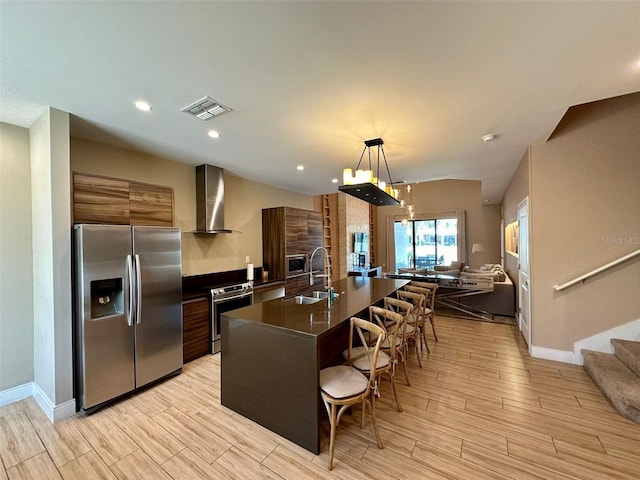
{"x": 106, "y": 298}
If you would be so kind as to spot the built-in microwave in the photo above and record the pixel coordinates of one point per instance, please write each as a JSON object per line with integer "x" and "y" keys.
{"x": 296, "y": 264}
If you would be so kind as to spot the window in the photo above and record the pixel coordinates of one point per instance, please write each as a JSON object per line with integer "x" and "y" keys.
{"x": 426, "y": 243}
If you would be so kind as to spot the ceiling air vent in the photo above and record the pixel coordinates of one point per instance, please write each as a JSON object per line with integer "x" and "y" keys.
{"x": 206, "y": 108}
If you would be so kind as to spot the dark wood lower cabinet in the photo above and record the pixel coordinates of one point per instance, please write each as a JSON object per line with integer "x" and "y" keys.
{"x": 297, "y": 285}
{"x": 196, "y": 328}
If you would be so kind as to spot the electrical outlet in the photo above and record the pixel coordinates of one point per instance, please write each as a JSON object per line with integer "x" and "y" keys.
{"x": 246, "y": 259}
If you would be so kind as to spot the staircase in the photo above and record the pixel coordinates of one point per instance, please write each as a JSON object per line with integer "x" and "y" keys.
{"x": 618, "y": 375}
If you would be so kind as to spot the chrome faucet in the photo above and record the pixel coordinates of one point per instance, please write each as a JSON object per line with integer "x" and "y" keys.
{"x": 327, "y": 261}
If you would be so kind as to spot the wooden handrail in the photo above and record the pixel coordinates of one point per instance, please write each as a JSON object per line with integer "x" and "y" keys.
{"x": 609, "y": 265}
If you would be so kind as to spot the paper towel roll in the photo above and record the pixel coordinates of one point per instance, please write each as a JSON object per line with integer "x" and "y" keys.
{"x": 249, "y": 271}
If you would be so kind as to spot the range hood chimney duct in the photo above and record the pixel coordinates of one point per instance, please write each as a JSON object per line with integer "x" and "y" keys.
{"x": 210, "y": 200}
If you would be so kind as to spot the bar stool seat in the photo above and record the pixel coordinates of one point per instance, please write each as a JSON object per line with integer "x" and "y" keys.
{"x": 342, "y": 381}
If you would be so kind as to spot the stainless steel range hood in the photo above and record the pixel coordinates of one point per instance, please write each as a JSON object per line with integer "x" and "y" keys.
{"x": 210, "y": 200}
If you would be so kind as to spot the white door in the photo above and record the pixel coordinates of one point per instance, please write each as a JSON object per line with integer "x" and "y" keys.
{"x": 524, "y": 317}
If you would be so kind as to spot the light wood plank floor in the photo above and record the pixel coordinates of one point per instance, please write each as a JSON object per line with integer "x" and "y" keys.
{"x": 480, "y": 408}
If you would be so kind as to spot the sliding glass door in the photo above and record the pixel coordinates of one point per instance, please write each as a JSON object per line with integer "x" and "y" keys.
{"x": 426, "y": 243}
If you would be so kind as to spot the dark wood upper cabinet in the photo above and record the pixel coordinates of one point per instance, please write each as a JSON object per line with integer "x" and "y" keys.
{"x": 302, "y": 227}
{"x": 114, "y": 201}
{"x": 314, "y": 232}
{"x": 288, "y": 231}
{"x": 100, "y": 200}
{"x": 150, "y": 205}
{"x": 290, "y": 228}
{"x": 274, "y": 241}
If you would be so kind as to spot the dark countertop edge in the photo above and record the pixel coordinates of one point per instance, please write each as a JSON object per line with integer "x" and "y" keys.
{"x": 232, "y": 315}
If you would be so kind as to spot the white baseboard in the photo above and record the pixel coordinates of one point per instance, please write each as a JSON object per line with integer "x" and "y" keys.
{"x": 64, "y": 410}
{"x": 601, "y": 342}
{"x": 43, "y": 401}
{"x": 15, "y": 394}
{"x": 544, "y": 353}
{"x": 54, "y": 412}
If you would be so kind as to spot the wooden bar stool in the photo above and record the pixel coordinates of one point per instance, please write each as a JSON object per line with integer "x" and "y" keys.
{"x": 414, "y": 329}
{"x": 345, "y": 385}
{"x": 430, "y": 303}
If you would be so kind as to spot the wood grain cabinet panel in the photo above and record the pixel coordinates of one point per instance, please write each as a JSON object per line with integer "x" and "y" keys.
{"x": 100, "y": 200}
{"x": 196, "y": 329}
{"x": 289, "y": 231}
{"x": 302, "y": 229}
{"x": 291, "y": 227}
{"x": 150, "y": 205}
{"x": 114, "y": 201}
{"x": 296, "y": 285}
{"x": 314, "y": 235}
{"x": 273, "y": 242}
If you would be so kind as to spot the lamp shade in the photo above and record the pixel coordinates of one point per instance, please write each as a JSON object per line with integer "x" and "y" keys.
{"x": 477, "y": 247}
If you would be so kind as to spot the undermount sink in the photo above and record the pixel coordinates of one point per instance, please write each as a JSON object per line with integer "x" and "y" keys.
{"x": 309, "y": 298}
{"x": 318, "y": 294}
{"x": 302, "y": 300}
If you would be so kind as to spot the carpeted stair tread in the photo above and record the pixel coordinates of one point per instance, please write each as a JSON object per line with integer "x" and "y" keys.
{"x": 618, "y": 383}
{"x": 628, "y": 352}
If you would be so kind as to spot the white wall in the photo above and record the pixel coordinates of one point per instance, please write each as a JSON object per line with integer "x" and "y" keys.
{"x": 16, "y": 276}
{"x": 51, "y": 226}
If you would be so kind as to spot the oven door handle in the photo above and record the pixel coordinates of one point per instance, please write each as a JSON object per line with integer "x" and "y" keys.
{"x": 233, "y": 297}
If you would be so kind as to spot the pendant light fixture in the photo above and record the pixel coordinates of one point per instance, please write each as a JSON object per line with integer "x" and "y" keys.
{"x": 407, "y": 206}
{"x": 364, "y": 185}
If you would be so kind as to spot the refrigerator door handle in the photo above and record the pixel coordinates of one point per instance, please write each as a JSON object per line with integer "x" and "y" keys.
{"x": 138, "y": 290}
{"x": 130, "y": 288}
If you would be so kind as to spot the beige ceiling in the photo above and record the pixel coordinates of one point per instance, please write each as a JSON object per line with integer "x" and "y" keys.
{"x": 310, "y": 81}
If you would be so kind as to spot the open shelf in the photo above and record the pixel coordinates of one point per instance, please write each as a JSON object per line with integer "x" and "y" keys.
{"x": 511, "y": 238}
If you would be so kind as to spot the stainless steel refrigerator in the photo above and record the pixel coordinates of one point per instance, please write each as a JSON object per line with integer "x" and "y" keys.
{"x": 128, "y": 309}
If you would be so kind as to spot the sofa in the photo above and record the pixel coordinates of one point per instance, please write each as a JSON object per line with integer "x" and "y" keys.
{"x": 452, "y": 270}
{"x": 496, "y": 273}
{"x": 502, "y": 301}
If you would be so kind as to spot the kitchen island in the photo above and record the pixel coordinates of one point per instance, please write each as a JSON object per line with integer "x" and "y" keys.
{"x": 272, "y": 354}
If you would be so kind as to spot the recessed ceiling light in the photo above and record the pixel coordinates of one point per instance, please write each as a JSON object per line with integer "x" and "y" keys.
{"x": 300, "y": 167}
{"x": 213, "y": 134}
{"x": 486, "y": 201}
{"x": 488, "y": 137}
{"x": 142, "y": 105}
{"x": 334, "y": 180}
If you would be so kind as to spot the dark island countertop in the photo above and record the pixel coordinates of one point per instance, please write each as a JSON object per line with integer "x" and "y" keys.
{"x": 355, "y": 295}
{"x": 272, "y": 354}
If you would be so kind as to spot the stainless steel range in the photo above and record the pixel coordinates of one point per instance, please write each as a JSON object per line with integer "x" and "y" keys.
{"x": 224, "y": 299}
